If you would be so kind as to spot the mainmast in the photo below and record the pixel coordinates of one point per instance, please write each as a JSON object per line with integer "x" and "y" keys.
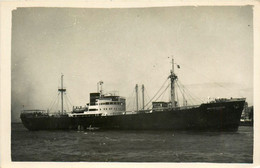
{"x": 136, "y": 92}
{"x": 173, "y": 77}
{"x": 62, "y": 90}
{"x": 143, "y": 95}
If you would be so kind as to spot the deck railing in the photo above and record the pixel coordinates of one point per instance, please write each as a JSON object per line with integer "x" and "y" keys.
{"x": 34, "y": 111}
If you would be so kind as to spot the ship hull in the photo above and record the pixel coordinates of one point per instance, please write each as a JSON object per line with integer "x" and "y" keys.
{"x": 47, "y": 123}
{"x": 223, "y": 116}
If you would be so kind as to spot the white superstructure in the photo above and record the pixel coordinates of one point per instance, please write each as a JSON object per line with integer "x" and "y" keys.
{"x": 103, "y": 105}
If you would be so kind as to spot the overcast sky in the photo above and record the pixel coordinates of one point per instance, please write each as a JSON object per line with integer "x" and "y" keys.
{"x": 124, "y": 47}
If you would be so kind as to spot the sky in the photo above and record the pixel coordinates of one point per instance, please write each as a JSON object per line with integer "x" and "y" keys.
{"x": 125, "y": 47}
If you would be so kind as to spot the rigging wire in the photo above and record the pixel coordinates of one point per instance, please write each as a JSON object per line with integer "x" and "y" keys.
{"x": 188, "y": 94}
{"x": 57, "y": 105}
{"x": 157, "y": 92}
{"x": 182, "y": 92}
{"x": 56, "y": 99}
{"x": 163, "y": 95}
{"x": 163, "y": 92}
{"x": 160, "y": 94}
{"x": 177, "y": 96}
{"x": 69, "y": 99}
{"x": 146, "y": 97}
{"x": 146, "y": 93}
{"x": 195, "y": 98}
{"x": 54, "y": 103}
{"x": 130, "y": 102}
{"x": 66, "y": 101}
{"x": 53, "y": 100}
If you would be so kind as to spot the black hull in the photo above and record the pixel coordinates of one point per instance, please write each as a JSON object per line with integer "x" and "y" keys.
{"x": 223, "y": 116}
{"x": 246, "y": 123}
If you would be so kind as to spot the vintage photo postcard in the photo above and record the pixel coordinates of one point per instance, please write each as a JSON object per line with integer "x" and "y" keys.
{"x": 123, "y": 84}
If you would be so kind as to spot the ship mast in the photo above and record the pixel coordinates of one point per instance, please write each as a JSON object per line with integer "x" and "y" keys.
{"x": 136, "y": 92}
{"x": 143, "y": 95}
{"x": 62, "y": 90}
{"x": 172, "y": 77}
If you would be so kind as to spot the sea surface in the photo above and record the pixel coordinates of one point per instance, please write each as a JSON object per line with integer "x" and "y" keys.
{"x": 132, "y": 146}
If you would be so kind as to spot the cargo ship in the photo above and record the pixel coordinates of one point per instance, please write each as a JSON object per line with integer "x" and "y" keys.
{"x": 108, "y": 112}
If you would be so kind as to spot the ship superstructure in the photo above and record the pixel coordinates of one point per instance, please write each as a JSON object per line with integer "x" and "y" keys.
{"x": 102, "y": 105}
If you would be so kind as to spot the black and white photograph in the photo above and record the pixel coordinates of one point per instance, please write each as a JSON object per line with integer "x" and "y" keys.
{"x": 160, "y": 84}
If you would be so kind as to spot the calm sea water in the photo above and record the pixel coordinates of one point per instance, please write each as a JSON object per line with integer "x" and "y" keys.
{"x": 132, "y": 146}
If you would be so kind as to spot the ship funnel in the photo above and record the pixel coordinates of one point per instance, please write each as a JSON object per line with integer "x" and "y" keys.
{"x": 100, "y": 83}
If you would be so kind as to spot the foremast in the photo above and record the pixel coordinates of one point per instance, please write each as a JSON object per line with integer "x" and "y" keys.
{"x": 62, "y": 90}
{"x": 172, "y": 78}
